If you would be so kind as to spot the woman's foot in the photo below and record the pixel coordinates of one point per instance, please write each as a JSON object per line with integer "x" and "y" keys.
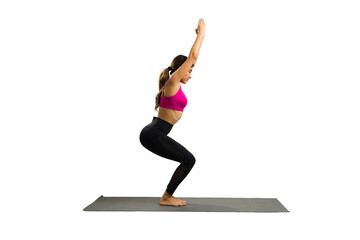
{"x": 182, "y": 201}
{"x": 168, "y": 200}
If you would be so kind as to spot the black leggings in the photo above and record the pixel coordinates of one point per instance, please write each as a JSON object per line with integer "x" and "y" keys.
{"x": 154, "y": 138}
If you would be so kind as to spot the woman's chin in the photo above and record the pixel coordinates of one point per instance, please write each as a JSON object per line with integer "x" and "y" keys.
{"x": 184, "y": 82}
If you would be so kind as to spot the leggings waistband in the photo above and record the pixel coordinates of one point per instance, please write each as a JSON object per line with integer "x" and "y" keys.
{"x": 160, "y": 124}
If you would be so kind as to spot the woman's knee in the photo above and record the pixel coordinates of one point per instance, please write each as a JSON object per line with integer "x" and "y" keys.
{"x": 191, "y": 160}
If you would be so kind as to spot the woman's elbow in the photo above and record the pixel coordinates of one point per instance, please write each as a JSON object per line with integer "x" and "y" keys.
{"x": 193, "y": 56}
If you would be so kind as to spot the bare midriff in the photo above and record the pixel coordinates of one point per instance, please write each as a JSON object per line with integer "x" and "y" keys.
{"x": 169, "y": 115}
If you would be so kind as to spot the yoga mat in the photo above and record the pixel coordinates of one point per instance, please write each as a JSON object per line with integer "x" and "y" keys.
{"x": 192, "y": 204}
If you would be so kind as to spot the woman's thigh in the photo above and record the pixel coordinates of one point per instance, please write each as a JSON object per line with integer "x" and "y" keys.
{"x": 175, "y": 151}
{"x": 165, "y": 146}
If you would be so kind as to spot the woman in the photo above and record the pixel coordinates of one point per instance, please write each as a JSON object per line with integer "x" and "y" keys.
{"x": 171, "y": 102}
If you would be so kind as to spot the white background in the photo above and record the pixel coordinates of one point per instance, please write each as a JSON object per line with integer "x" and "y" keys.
{"x": 273, "y": 112}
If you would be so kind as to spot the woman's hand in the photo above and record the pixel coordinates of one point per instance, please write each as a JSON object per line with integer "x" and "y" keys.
{"x": 201, "y": 27}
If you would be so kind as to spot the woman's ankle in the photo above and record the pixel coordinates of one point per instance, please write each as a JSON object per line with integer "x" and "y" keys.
{"x": 166, "y": 195}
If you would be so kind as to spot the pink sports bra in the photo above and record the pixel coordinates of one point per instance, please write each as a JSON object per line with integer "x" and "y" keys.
{"x": 177, "y": 102}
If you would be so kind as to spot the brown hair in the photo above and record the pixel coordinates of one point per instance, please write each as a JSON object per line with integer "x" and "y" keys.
{"x": 164, "y": 76}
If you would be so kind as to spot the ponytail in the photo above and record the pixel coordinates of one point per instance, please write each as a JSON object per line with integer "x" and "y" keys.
{"x": 164, "y": 75}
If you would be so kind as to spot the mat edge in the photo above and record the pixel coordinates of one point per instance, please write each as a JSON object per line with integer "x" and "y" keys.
{"x": 85, "y": 209}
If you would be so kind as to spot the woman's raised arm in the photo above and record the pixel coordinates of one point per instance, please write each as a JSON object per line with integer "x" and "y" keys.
{"x": 193, "y": 55}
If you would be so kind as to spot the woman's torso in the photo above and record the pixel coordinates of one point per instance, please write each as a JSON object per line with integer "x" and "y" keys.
{"x": 169, "y": 115}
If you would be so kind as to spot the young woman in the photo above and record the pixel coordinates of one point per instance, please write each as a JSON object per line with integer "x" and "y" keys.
{"x": 171, "y": 102}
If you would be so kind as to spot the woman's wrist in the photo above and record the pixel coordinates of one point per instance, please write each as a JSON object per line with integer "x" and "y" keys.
{"x": 201, "y": 36}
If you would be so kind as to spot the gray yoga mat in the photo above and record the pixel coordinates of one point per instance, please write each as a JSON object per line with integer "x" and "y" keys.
{"x": 192, "y": 204}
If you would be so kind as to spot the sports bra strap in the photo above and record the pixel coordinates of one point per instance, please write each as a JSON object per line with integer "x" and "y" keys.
{"x": 163, "y": 88}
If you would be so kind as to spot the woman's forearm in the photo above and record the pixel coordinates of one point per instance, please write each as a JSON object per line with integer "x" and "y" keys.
{"x": 195, "y": 50}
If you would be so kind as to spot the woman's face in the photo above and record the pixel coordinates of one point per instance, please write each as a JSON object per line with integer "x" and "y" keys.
{"x": 188, "y": 76}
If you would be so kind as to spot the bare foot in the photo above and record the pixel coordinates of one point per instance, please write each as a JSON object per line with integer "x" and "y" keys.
{"x": 168, "y": 200}
{"x": 171, "y": 202}
{"x": 182, "y": 201}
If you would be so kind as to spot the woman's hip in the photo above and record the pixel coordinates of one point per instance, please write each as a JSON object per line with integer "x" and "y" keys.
{"x": 160, "y": 125}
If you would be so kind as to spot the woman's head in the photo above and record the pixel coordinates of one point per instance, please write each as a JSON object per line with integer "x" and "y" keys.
{"x": 165, "y": 74}
{"x": 177, "y": 62}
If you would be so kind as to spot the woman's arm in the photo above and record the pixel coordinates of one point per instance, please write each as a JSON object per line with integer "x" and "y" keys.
{"x": 194, "y": 53}
{"x": 200, "y": 31}
{"x": 195, "y": 50}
